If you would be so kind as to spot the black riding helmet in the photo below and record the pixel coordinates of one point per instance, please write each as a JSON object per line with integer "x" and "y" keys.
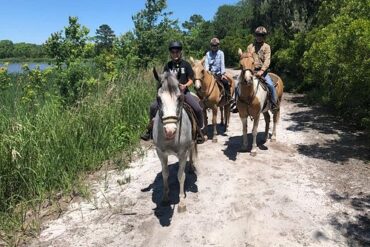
{"x": 175, "y": 45}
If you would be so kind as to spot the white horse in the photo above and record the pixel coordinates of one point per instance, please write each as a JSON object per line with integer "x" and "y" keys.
{"x": 172, "y": 132}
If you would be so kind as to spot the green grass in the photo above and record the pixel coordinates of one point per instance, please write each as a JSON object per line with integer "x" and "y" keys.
{"x": 46, "y": 148}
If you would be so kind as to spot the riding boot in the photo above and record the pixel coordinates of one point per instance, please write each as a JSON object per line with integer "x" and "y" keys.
{"x": 199, "y": 136}
{"x": 149, "y": 132}
{"x": 274, "y": 106}
{"x": 227, "y": 90}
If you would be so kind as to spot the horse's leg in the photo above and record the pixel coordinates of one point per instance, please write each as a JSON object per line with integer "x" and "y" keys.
{"x": 227, "y": 116}
{"x": 245, "y": 132}
{"x": 254, "y": 133}
{"x": 275, "y": 120}
{"x": 222, "y": 115}
{"x": 164, "y": 161}
{"x": 181, "y": 177}
{"x": 205, "y": 132}
{"x": 267, "y": 127}
{"x": 214, "y": 123}
{"x": 193, "y": 157}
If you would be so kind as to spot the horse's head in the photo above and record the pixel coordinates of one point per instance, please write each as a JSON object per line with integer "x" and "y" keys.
{"x": 199, "y": 70}
{"x": 170, "y": 101}
{"x": 246, "y": 62}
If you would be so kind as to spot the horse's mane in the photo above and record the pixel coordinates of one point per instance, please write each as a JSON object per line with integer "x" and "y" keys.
{"x": 170, "y": 83}
{"x": 246, "y": 55}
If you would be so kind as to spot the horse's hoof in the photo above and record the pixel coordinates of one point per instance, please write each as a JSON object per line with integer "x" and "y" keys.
{"x": 214, "y": 140}
{"x": 273, "y": 139}
{"x": 181, "y": 208}
{"x": 205, "y": 138}
{"x": 253, "y": 153}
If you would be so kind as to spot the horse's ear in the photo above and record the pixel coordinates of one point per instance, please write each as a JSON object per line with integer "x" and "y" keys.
{"x": 156, "y": 76}
{"x": 192, "y": 60}
{"x": 202, "y": 61}
{"x": 240, "y": 52}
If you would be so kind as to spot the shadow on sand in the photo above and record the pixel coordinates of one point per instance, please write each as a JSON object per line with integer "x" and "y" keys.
{"x": 234, "y": 144}
{"x": 164, "y": 212}
{"x": 355, "y": 228}
{"x": 350, "y": 144}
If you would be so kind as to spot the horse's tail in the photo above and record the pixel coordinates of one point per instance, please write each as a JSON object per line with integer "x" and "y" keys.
{"x": 195, "y": 150}
{"x": 194, "y": 157}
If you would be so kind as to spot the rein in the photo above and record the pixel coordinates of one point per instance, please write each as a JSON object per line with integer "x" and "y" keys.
{"x": 245, "y": 101}
{"x": 174, "y": 119}
{"x": 209, "y": 92}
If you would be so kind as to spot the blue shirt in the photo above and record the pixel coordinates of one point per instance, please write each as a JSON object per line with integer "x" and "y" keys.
{"x": 215, "y": 62}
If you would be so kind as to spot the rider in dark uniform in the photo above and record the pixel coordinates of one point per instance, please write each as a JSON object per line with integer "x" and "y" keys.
{"x": 185, "y": 76}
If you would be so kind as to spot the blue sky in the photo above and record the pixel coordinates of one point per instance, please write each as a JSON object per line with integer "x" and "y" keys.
{"x": 34, "y": 20}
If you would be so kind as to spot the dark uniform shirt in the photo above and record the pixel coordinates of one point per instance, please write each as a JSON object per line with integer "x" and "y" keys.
{"x": 183, "y": 70}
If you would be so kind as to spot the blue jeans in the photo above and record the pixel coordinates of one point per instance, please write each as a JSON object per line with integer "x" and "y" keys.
{"x": 270, "y": 85}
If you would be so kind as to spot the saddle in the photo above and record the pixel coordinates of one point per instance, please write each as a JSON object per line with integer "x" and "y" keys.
{"x": 264, "y": 86}
{"x": 193, "y": 119}
{"x": 220, "y": 86}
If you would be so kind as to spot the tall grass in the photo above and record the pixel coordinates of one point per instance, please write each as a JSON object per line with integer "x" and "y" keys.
{"x": 46, "y": 147}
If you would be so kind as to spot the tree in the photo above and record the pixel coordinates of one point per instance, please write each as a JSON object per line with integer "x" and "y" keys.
{"x": 227, "y": 21}
{"x": 194, "y": 21}
{"x": 153, "y": 30}
{"x": 68, "y": 48}
{"x": 104, "y": 38}
{"x": 6, "y": 48}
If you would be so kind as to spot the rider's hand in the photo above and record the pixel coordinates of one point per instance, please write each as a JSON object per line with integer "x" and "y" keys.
{"x": 223, "y": 77}
{"x": 182, "y": 87}
{"x": 259, "y": 73}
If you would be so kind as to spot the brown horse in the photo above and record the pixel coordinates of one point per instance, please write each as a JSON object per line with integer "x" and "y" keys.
{"x": 253, "y": 100}
{"x": 211, "y": 95}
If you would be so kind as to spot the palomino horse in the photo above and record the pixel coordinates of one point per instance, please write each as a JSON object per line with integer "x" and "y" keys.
{"x": 172, "y": 132}
{"x": 253, "y": 100}
{"x": 210, "y": 94}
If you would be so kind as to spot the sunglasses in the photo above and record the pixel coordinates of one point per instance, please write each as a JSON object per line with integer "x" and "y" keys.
{"x": 174, "y": 51}
{"x": 214, "y": 45}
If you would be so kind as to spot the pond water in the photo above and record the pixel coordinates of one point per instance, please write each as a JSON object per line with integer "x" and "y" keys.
{"x": 17, "y": 67}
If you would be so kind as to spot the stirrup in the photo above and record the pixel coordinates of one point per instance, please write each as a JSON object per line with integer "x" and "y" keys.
{"x": 146, "y": 136}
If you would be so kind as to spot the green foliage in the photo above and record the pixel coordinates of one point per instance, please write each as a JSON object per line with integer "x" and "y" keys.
{"x": 338, "y": 63}
{"x": 153, "y": 31}
{"x": 6, "y": 48}
{"x": 227, "y": 20}
{"x": 126, "y": 49}
{"x": 65, "y": 49}
{"x": 198, "y": 37}
{"x": 5, "y": 81}
{"x": 47, "y": 149}
{"x": 104, "y": 38}
{"x": 34, "y": 86}
{"x": 20, "y": 50}
{"x": 194, "y": 21}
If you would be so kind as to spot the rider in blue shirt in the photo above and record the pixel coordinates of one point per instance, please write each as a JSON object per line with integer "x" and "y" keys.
{"x": 215, "y": 63}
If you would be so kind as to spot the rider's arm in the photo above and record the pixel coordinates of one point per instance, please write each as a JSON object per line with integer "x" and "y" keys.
{"x": 206, "y": 62}
{"x": 190, "y": 75}
{"x": 222, "y": 57}
{"x": 267, "y": 57}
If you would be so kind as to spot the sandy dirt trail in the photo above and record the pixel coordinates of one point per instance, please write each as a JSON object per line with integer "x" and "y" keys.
{"x": 310, "y": 188}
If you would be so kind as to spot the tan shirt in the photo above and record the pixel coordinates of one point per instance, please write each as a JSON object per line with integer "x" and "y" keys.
{"x": 261, "y": 55}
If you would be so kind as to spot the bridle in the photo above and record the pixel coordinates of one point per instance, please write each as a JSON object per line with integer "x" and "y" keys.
{"x": 247, "y": 100}
{"x": 172, "y": 119}
{"x": 207, "y": 95}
